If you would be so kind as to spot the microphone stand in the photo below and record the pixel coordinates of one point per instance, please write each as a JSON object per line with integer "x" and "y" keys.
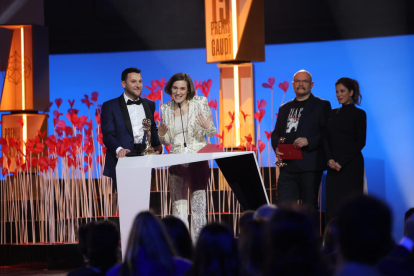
{"x": 182, "y": 125}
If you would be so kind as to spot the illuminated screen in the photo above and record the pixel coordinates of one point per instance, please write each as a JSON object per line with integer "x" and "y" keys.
{"x": 383, "y": 66}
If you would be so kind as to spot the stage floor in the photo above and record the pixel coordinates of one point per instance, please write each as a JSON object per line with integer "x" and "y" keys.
{"x": 32, "y": 270}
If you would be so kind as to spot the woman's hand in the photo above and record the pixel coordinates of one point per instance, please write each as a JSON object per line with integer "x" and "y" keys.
{"x": 162, "y": 129}
{"x": 331, "y": 164}
{"x": 337, "y": 167}
{"x": 203, "y": 122}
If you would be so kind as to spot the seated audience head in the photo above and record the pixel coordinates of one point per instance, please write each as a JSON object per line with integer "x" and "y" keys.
{"x": 251, "y": 247}
{"x": 103, "y": 245}
{"x": 149, "y": 241}
{"x": 364, "y": 229}
{"x": 330, "y": 236}
{"x": 180, "y": 237}
{"x": 290, "y": 243}
{"x": 216, "y": 252}
{"x": 265, "y": 211}
{"x": 83, "y": 232}
{"x": 244, "y": 219}
{"x": 408, "y": 214}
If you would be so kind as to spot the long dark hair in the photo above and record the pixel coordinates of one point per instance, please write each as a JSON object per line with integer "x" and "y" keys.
{"x": 148, "y": 235}
{"x": 291, "y": 244}
{"x": 353, "y": 85}
{"x": 180, "y": 237}
{"x": 251, "y": 247}
{"x": 216, "y": 252}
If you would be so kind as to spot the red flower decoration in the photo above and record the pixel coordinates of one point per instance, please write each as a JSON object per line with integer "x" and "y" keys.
{"x": 244, "y": 115}
{"x": 94, "y": 96}
{"x": 58, "y": 102}
{"x": 100, "y": 159}
{"x": 231, "y": 116}
{"x": 69, "y": 131}
{"x": 241, "y": 147}
{"x": 249, "y": 138}
{"x": 268, "y": 134}
{"x": 220, "y": 136}
{"x": 42, "y": 135}
{"x": 259, "y": 115}
{"x": 262, "y": 146}
{"x": 250, "y": 147}
{"x": 73, "y": 118}
{"x": 213, "y": 104}
{"x": 71, "y": 103}
{"x": 61, "y": 125}
{"x": 160, "y": 83}
{"x": 20, "y": 122}
{"x": 261, "y": 104}
{"x": 157, "y": 117}
{"x": 154, "y": 95}
{"x": 284, "y": 86}
{"x": 205, "y": 87}
{"x": 269, "y": 83}
{"x": 100, "y": 138}
{"x": 168, "y": 148}
{"x": 229, "y": 126}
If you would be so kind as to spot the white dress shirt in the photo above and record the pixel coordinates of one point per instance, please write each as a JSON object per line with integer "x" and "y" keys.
{"x": 136, "y": 115}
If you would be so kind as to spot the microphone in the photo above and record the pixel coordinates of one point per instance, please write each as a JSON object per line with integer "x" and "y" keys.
{"x": 182, "y": 125}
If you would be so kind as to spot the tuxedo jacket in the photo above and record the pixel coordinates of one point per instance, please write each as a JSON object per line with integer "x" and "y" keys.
{"x": 196, "y": 133}
{"x": 312, "y": 126}
{"x": 117, "y": 129}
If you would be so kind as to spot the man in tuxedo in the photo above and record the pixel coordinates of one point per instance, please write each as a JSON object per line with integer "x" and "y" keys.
{"x": 302, "y": 121}
{"x": 121, "y": 121}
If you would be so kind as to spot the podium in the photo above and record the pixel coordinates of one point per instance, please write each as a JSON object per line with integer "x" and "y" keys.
{"x": 133, "y": 174}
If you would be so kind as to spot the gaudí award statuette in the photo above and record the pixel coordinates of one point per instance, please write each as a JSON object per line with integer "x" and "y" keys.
{"x": 279, "y": 161}
{"x": 146, "y": 125}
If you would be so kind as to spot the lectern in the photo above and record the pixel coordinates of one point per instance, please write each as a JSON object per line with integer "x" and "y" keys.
{"x": 134, "y": 181}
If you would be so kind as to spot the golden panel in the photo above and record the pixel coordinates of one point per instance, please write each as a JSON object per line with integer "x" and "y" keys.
{"x": 24, "y": 88}
{"x": 236, "y": 96}
{"x": 234, "y": 30}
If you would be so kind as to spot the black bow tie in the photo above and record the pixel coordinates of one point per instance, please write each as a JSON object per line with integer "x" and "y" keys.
{"x": 137, "y": 102}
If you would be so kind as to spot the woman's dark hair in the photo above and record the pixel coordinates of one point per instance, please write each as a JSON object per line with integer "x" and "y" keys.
{"x": 330, "y": 236}
{"x": 103, "y": 245}
{"x": 251, "y": 247}
{"x": 180, "y": 236}
{"x": 148, "y": 238}
{"x": 353, "y": 85}
{"x": 216, "y": 252}
{"x": 291, "y": 244}
{"x": 181, "y": 77}
{"x": 125, "y": 73}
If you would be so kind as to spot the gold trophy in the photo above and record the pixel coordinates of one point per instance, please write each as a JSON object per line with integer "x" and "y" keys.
{"x": 146, "y": 125}
{"x": 280, "y": 162}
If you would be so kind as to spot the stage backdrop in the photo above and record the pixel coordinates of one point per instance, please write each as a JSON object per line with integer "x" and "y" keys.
{"x": 383, "y": 66}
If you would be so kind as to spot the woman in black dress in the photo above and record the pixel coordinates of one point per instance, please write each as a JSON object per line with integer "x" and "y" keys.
{"x": 346, "y": 137}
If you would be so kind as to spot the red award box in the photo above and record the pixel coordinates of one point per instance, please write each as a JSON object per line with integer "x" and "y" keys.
{"x": 289, "y": 152}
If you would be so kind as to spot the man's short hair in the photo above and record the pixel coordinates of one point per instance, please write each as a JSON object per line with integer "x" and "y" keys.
{"x": 303, "y": 71}
{"x": 408, "y": 214}
{"x": 125, "y": 73}
{"x": 364, "y": 227}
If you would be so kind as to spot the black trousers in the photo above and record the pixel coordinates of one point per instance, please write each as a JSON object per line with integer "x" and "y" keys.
{"x": 292, "y": 186}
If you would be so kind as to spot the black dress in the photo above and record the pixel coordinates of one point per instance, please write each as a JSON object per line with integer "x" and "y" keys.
{"x": 346, "y": 137}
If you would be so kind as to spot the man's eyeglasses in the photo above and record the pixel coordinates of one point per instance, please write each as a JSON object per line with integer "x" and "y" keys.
{"x": 301, "y": 81}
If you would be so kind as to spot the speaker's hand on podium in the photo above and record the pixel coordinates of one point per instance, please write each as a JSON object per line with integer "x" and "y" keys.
{"x": 122, "y": 153}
